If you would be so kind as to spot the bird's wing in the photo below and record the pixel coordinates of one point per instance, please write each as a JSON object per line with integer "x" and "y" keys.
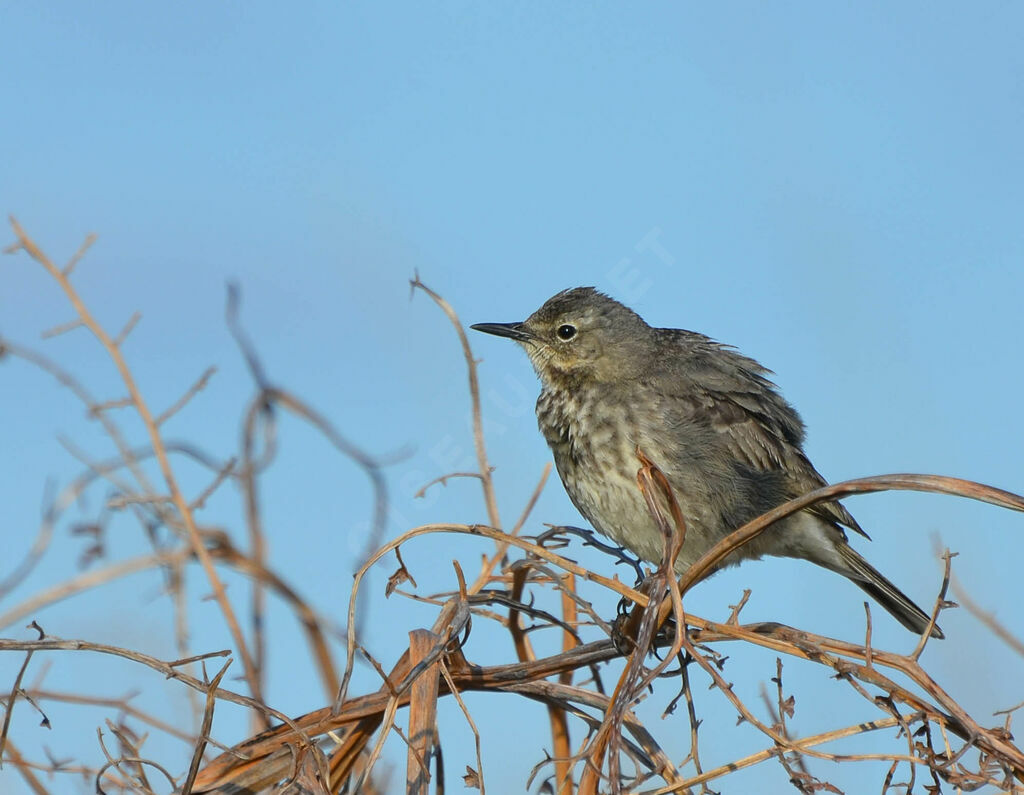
{"x": 756, "y": 437}
{"x": 731, "y": 394}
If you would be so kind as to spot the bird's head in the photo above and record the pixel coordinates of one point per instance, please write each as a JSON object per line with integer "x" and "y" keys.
{"x": 580, "y": 334}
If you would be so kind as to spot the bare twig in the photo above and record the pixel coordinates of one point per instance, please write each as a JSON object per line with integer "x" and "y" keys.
{"x": 155, "y": 441}
{"x": 15, "y": 692}
{"x": 63, "y": 328}
{"x": 443, "y": 480}
{"x": 82, "y": 250}
{"x": 490, "y": 499}
{"x": 127, "y": 329}
{"x": 942, "y": 739}
{"x": 204, "y": 731}
{"x": 190, "y": 393}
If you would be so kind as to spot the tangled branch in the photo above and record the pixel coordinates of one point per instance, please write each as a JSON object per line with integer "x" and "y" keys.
{"x": 524, "y": 587}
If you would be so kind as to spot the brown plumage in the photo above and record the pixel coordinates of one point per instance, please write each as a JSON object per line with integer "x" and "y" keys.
{"x": 708, "y": 418}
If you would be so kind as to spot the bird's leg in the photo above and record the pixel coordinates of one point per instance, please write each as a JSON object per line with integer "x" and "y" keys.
{"x": 628, "y": 614}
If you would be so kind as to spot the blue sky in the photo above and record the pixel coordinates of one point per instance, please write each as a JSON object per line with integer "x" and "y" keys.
{"x": 837, "y": 189}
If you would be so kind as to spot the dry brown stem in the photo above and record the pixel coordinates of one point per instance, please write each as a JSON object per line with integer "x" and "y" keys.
{"x": 547, "y": 603}
{"x": 156, "y": 442}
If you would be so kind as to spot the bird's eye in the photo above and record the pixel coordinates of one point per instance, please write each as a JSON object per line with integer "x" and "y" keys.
{"x": 566, "y": 332}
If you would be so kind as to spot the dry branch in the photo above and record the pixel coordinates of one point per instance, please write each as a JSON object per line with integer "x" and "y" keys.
{"x": 598, "y": 742}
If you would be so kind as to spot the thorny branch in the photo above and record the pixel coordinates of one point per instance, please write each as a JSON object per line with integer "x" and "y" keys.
{"x": 524, "y": 588}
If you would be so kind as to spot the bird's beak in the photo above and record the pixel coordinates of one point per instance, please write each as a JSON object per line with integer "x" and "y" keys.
{"x": 514, "y": 331}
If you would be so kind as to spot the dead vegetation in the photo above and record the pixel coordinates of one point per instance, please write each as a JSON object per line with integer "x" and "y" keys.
{"x": 524, "y": 586}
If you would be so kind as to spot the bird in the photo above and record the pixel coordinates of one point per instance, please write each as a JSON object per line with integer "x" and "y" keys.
{"x": 728, "y": 443}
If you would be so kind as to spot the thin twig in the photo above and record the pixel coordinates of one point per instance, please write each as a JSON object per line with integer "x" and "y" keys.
{"x": 443, "y": 480}
{"x": 190, "y": 393}
{"x": 15, "y": 692}
{"x": 63, "y": 328}
{"x": 158, "y": 448}
{"x": 204, "y": 731}
{"x": 127, "y": 329}
{"x": 82, "y": 249}
{"x": 490, "y": 500}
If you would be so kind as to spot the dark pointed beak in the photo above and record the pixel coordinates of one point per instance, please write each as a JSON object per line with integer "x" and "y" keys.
{"x": 514, "y": 331}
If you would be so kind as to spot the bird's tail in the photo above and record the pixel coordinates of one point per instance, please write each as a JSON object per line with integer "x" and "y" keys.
{"x": 884, "y": 592}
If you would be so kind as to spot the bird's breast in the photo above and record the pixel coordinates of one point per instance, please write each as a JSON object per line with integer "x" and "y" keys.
{"x": 594, "y": 438}
{"x": 593, "y": 441}
{"x": 587, "y": 430}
